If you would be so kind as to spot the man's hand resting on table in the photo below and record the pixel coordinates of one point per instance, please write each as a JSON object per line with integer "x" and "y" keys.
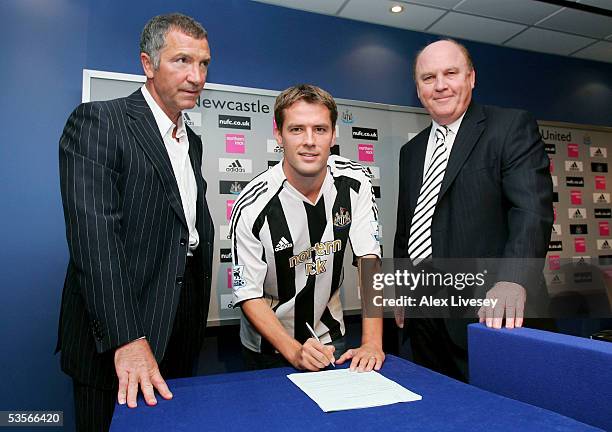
{"x": 510, "y": 298}
{"x": 136, "y": 366}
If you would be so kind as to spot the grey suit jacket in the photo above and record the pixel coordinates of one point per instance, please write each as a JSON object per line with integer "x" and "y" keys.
{"x": 127, "y": 236}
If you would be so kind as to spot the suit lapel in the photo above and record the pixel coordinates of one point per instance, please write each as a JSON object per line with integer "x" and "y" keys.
{"x": 146, "y": 133}
{"x": 470, "y": 130}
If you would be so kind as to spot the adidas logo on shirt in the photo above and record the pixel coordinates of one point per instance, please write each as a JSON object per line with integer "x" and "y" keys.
{"x": 282, "y": 245}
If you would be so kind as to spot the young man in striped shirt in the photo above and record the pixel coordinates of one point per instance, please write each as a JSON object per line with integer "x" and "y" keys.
{"x": 290, "y": 228}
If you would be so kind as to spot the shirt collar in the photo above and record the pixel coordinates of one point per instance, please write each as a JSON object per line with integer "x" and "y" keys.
{"x": 164, "y": 124}
{"x": 452, "y": 127}
{"x": 279, "y": 175}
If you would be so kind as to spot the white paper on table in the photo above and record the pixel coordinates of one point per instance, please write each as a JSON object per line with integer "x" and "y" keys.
{"x": 341, "y": 389}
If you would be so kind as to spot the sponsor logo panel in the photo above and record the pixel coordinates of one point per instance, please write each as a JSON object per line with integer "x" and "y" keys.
{"x": 234, "y": 143}
{"x": 579, "y": 229}
{"x": 599, "y": 167}
{"x": 580, "y": 260}
{"x": 604, "y": 229}
{"x": 600, "y": 183}
{"x": 224, "y": 232}
{"x": 601, "y": 152}
{"x": 192, "y": 119}
{"x": 273, "y": 147}
{"x": 574, "y": 181}
{"x": 225, "y": 255}
{"x": 605, "y": 244}
{"x": 583, "y": 277}
{"x": 572, "y": 151}
{"x": 347, "y": 117}
{"x": 227, "y": 301}
{"x": 576, "y": 197}
{"x": 366, "y": 152}
{"x": 229, "y": 205}
{"x": 554, "y": 181}
{"x": 375, "y": 171}
{"x": 556, "y": 229}
{"x": 601, "y": 198}
{"x": 577, "y": 213}
{"x": 555, "y": 196}
{"x": 555, "y": 245}
{"x": 555, "y": 279}
{"x": 239, "y": 166}
{"x": 365, "y": 133}
{"x": 234, "y": 122}
{"x": 603, "y": 213}
{"x": 575, "y": 166}
{"x": 550, "y": 148}
{"x": 233, "y": 187}
{"x": 580, "y": 244}
{"x": 605, "y": 259}
{"x": 554, "y": 262}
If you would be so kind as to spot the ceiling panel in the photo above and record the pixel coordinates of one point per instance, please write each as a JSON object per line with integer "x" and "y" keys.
{"x": 601, "y": 51}
{"x": 475, "y": 28}
{"x": 604, "y": 4}
{"x": 522, "y": 11}
{"x": 535, "y": 39}
{"x": 414, "y": 17}
{"x": 445, "y": 4}
{"x": 579, "y": 22}
{"x": 329, "y": 7}
{"x": 556, "y": 30}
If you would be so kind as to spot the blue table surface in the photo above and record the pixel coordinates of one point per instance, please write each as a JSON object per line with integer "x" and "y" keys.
{"x": 268, "y": 401}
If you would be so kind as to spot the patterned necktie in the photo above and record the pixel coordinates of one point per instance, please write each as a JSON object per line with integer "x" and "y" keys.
{"x": 419, "y": 242}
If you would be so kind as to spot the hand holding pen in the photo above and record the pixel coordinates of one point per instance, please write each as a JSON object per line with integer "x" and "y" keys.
{"x": 326, "y": 348}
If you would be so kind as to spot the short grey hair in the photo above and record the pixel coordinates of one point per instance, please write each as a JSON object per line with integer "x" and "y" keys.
{"x": 153, "y": 36}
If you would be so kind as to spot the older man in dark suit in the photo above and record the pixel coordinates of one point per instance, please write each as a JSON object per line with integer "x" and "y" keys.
{"x": 475, "y": 184}
{"x": 139, "y": 232}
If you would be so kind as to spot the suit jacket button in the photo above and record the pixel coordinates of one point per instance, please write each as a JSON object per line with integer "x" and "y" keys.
{"x": 183, "y": 242}
{"x": 179, "y": 280}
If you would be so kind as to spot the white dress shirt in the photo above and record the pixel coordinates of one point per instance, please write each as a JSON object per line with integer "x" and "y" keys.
{"x": 178, "y": 152}
{"x": 453, "y": 129}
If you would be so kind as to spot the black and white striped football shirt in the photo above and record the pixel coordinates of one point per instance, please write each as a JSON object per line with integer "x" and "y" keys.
{"x": 290, "y": 251}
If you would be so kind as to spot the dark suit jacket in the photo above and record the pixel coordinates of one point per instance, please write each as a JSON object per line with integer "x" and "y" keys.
{"x": 127, "y": 236}
{"x": 496, "y": 195}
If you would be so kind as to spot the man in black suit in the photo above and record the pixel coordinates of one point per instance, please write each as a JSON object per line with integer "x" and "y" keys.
{"x": 139, "y": 232}
{"x": 475, "y": 184}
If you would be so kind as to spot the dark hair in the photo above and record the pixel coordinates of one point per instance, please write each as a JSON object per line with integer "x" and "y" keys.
{"x": 153, "y": 36}
{"x": 308, "y": 93}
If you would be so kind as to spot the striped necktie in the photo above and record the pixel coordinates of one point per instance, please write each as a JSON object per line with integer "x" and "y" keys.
{"x": 419, "y": 242}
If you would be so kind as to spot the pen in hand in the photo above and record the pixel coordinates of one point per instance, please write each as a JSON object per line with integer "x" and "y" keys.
{"x": 314, "y": 335}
